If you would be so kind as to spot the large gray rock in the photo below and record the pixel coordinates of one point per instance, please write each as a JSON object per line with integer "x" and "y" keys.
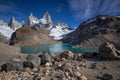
{"x": 11, "y": 66}
{"x": 108, "y": 51}
{"x": 67, "y": 55}
{"x": 45, "y": 57}
{"x": 107, "y": 76}
{"x": 35, "y": 60}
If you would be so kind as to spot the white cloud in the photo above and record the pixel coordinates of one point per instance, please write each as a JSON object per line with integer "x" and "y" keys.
{"x": 9, "y": 7}
{"x": 85, "y": 9}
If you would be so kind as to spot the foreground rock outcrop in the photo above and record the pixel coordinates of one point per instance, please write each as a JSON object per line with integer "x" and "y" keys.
{"x": 60, "y": 67}
{"x": 8, "y": 53}
{"x": 109, "y": 51}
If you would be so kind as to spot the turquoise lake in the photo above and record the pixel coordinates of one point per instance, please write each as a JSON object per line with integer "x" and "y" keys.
{"x": 54, "y": 48}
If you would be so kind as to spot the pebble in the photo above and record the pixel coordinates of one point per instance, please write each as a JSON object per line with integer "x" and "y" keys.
{"x": 27, "y": 70}
{"x": 82, "y": 78}
{"x": 35, "y": 69}
{"x": 77, "y": 74}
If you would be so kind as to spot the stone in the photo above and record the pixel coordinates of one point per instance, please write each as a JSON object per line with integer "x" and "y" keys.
{"x": 8, "y": 76}
{"x": 7, "y": 67}
{"x": 35, "y": 69}
{"x": 12, "y": 66}
{"x": 34, "y": 59}
{"x": 77, "y": 74}
{"x": 47, "y": 70}
{"x": 45, "y": 57}
{"x": 87, "y": 55}
{"x": 28, "y": 64}
{"x": 108, "y": 51}
{"x": 58, "y": 64}
{"x": 36, "y": 78}
{"x": 16, "y": 59}
{"x": 93, "y": 66}
{"x": 82, "y": 78}
{"x": 47, "y": 65}
{"x": 27, "y": 70}
{"x": 25, "y": 75}
{"x": 77, "y": 57}
{"x": 67, "y": 55}
{"x": 107, "y": 76}
{"x": 63, "y": 59}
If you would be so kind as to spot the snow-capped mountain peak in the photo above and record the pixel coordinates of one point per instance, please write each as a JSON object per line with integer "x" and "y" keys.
{"x": 57, "y": 29}
{"x": 2, "y": 23}
{"x": 13, "y": 24}
{"x": 47, "y": 18}
{"x": 32, "y": 20}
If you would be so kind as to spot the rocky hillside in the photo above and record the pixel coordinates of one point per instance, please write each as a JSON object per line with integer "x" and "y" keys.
{"x": 31, "y": 36}
{"x": 96, "y": 31}
{"x": 3, "y": 39}
{"x": 7, "y": 52}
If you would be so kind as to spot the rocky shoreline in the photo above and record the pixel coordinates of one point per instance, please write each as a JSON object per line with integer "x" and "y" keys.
{"x": 63, "y": 66}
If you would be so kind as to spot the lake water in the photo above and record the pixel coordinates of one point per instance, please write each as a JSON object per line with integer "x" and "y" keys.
{"x": 54, "y": 48}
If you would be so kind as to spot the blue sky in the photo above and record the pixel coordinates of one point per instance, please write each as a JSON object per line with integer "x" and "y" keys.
{"x": 72, "y": 12}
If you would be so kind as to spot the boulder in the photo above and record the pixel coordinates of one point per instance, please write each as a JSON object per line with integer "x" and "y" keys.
{"x": 77, "y": 57}
{"x": 7, "y": 67}
{"x": 28, "y": 64}
{"x": 12, "y": 66}
{"x": 107, "y": 76}
{"x": 45, "y": 57}
{"x": 67, "y": 55}
{"x": 87, "y": 55}
{"x": 108, "y": 51}
{"x": 34, "y": 59}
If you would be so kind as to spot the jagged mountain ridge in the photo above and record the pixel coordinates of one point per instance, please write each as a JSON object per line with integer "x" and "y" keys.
{"x": 46, "y": 21}
{"x": 14, "y": 24}
{"x": 88, "y": 33}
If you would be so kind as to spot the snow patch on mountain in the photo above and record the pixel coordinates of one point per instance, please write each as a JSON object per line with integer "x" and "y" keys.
{"x": 58, "y": 32}
{"x": 6, "y": 31}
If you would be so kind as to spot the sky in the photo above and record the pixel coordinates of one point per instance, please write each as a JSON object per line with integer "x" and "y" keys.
{"x": 72, "y": 12}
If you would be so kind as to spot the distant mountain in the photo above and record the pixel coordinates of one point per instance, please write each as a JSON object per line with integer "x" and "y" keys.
{"x": 57, "y": 29}
{"x": 95, "y": 31}
{"x": 13, "y": 24}
{"x": 2, "y": 23}
{"x": 32, "y": 20}
{"x": 34, "y": 35}
{"x": 46, "y": 18}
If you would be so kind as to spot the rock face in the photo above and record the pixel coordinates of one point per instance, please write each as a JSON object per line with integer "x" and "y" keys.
{"x": 31, "y": 36}
{"x": 11, "y": 66}
{"x": 47, "y": 17}
{"x": 34, "y": 59}
{"x": 67, "y": 55}
{"x": 108, "y": 51}
{"x": 2, "y": 23}
{"x": 45, "y": 57}
{"x": 89, "y": 33}
{"x": 32, "y": 20}
{"x": 13, "y": 24}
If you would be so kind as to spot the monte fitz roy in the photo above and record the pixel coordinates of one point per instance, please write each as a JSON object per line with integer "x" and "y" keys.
{"x": 57, "y": 29}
